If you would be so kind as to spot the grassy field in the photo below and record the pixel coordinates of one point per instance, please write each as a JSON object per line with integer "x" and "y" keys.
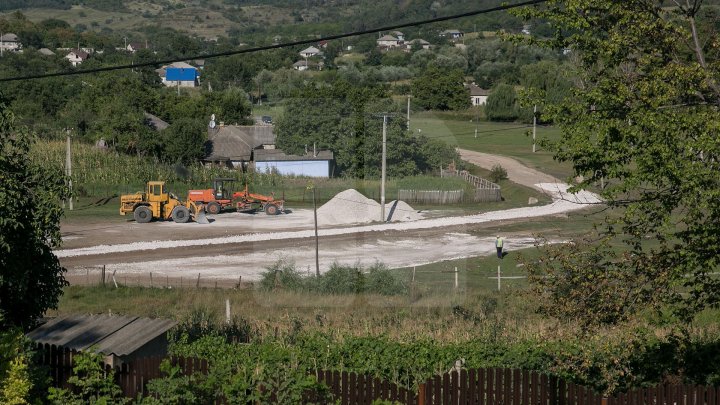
{"x": 508, "y": 139}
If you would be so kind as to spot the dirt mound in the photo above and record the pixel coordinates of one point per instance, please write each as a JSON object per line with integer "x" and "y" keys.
{"x": 403, "y": 212}
{"x": 351, "y": 207}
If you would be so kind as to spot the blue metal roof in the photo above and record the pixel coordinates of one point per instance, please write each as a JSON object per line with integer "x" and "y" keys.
{"x": 180, "y": 74}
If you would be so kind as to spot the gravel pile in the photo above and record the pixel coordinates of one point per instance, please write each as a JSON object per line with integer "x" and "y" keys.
{"x": 351, "y": 207}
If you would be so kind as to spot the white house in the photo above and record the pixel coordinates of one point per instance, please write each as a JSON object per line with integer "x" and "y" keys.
{"x": 309, "y": 52}
{"x": 77, "y": 56}
{"x": 10, "y": 42}
{"x": 135, "y": 46}
{"x": 388, "y": 41}
{"x": 478, "y": 96}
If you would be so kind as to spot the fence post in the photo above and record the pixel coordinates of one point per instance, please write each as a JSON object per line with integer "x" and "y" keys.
{"x": 421, "y": 394}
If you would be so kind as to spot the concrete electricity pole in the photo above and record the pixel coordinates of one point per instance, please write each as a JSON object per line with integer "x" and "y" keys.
{"x": 408, "y": 113}
{"x": 534, "y": 125}
{"x": 382, "y": 181}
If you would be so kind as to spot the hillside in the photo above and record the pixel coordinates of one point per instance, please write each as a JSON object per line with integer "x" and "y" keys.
{"x": 214, "y": 18}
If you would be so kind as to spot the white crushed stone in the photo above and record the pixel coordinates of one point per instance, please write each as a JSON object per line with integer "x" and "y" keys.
{"x": 563, "y": 202}
{"x": 351, "y": 207}
{"x": 392, "y": 253}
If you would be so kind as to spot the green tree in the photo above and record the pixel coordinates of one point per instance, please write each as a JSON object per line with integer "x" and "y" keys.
{"x": 31, "y": 278}
{"x": 185, "y": 141}
{"x": 645, "y": 120}
{"x": 502, "y": 104}
{"x": 439, "y": 89}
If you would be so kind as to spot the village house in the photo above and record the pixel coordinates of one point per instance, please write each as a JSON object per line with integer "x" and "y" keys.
{"x": 303, "y": 65}
{"x": 10, "y": 42}
{"x": 419, "y": 43}
{"x": 310, "y": 52}
{"x": 452, "y": 34}
{"x": 233, "y": 146}
{"x": 179, "y": 74}
{"x": 387, "y": 41}
{"x": 136, "y": 46}
{"x": 478, "y": 96}
{"x": 76, "y": 56}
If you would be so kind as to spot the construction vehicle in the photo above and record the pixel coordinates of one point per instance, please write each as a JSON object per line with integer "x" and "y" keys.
{"x": 222, "y": 197}
{"x": 157, "y": 203}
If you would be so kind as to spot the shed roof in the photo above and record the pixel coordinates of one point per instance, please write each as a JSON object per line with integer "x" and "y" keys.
{"x": 46, "y": 51}
{"x": 119, "y": 335}
{"x": 276, "y": 155}
{"x": 236, "y": 142}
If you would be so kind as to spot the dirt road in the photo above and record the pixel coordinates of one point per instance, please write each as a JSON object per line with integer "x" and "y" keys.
{"x": 517, "y": 172}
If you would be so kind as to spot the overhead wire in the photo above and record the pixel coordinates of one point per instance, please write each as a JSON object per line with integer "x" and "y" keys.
{"x": 275, "y": 46}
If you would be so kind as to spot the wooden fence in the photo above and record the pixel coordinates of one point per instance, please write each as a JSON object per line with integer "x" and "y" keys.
{"x": 491, "y": 386}
{"x": 485, "y": 190}
{"x": 431, "y": 197}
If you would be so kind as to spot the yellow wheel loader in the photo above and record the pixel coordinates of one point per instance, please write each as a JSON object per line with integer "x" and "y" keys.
{"x": 157, "y": 203}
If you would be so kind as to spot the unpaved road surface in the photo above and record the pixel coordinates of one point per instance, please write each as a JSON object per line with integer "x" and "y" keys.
{"x": 238, "y": 245}
{"x": 517, "y": 172}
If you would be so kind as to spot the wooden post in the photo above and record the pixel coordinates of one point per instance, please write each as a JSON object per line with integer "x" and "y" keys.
{"x": 87, "y": 276}
{"x": 498, "y": 277}
{"x": 167, "y": 281}
{"x": 413, "y": 276}
{"x": 151, "y": 283}
{"x": 102, "y": 275}
{"x": 197, "y": 284}
{"x": 456, "y": 278}
{"x": 421, "y": 394}
{"x": 113, "y": 278}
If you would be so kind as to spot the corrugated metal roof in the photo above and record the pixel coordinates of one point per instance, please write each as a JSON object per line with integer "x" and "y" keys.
{"x": 134, "y": 335}
{"x": 119, "y": 335}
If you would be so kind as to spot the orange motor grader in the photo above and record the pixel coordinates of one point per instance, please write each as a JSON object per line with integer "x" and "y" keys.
{"x": 222, "y": 197}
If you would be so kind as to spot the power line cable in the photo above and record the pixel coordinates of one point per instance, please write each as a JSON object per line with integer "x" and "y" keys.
{"x": 277, "y": 46}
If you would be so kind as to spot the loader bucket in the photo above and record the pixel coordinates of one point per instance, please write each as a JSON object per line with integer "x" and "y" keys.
{"x": 200, "y": 217}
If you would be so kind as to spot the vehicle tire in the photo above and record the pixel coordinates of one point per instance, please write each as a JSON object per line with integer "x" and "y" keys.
{"x": 142, "y": 214}
{"x": 272, "y": 209}
{"x": 213, "y": 208}
{"x": 181, "y": 215}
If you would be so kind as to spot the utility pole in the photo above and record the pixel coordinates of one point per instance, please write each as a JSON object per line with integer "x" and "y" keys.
{"x": 408, "y": 113}
{"x": 382, "y": 181}
{"x": 534, "y": 125}
{"x": 384, "y": 165}
{"x": 68, "y": 169}
{"x": 317, "y": 243}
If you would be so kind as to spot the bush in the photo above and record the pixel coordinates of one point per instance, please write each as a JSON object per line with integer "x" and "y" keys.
{"x": 498, "y": 173}
{"x": 282, "y": 275}
{"x": 340, "y": 279}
